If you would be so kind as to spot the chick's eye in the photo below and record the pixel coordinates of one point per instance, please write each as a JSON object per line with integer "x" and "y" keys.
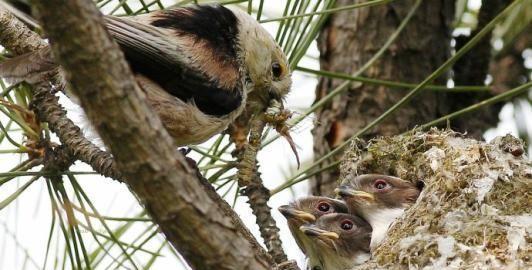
{"x": 346, "y": 225}
{"x": 324, "y": 207}
{"x": 277, "y": 70}
{"x": 380, "y": 184}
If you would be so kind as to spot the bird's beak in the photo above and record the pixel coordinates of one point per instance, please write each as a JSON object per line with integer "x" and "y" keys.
{"x": 348, "y": 192}
{"x": 317, "y": 232}
{"x": 289, "y": 212}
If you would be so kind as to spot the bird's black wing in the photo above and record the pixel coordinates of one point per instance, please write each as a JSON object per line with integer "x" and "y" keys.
{"x": 152, "y": 53}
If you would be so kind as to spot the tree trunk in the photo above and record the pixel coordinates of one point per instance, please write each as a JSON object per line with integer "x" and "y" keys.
{"x": 347, "y": 42}
{"x": 474, "y": 211}
{"x": 472, "y": 69}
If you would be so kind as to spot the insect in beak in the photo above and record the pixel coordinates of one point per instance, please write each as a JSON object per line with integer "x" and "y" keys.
{"x": 277, "y": 116}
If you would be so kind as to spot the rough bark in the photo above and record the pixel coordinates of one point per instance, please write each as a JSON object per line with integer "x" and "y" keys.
{"x": 15, "y": 36}
{"x": 189, "y": 212}
{"x": 250, "y": 181}
{"x": 348, "y": 40}
{"x": 474, "y": 211}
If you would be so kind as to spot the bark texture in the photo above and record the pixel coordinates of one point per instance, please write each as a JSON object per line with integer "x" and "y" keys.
{"x": 251, "y": 184}
{"x": 15, "y": 36}
{"x": 474, "y": 211}
{"x": 346, "y": 43}
{"x": 193, "y": 217}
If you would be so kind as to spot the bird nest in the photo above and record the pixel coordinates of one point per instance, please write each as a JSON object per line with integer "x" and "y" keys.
{"x": 474, "y": 211}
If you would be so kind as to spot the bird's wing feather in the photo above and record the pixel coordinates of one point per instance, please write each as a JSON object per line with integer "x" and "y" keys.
{"x": 148, "y": 42}
{"x": 31, "y": 67}
{"x": 151, "y": 52}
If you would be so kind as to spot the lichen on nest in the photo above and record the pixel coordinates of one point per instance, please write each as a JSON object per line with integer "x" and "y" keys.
{"x": 474, "y": 211}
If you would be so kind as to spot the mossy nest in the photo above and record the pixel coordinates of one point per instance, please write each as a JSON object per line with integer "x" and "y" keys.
{"x": 474, "y": 211}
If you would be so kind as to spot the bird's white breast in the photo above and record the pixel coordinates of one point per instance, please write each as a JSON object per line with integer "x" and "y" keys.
{"x": 380, "y": 220}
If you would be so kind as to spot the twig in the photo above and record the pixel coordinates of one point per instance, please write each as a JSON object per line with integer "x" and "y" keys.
{"x": 18, "y": 38}
{"x": 250, "y": 182}
{"x": 498, "y": 98}
{"x": 49, "y": 110}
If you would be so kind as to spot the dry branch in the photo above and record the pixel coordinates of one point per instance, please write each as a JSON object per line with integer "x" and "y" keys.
{"x": 17, "y": 38}
{"x": 250, "y": 182}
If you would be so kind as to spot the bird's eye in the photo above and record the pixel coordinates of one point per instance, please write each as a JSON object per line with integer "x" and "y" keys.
{"x": 277, "y": 70}
{"x": 380, "y": 184}
{"x": 323, "y": 207}
{"x": 346, "y": 225}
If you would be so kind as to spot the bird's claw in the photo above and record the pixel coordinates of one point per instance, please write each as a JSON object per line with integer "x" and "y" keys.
{"x": 185, "y": 150}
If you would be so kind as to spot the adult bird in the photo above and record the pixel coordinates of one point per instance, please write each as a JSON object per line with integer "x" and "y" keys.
{"x": 307, "y": 210}
{"x": 379, "y": 199}
{"x": 200, "y": 66}
{"x": 341, "y": 240}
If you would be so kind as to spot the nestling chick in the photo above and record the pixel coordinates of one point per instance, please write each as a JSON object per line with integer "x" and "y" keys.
{"x": 341, "y": 241}
{"x": 379, "y": 199}
{"x": 199, "y": 66}
{"x": 307, "y": 210}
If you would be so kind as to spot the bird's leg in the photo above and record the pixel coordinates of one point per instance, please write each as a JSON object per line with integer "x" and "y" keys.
{"x": 277, "y": 116}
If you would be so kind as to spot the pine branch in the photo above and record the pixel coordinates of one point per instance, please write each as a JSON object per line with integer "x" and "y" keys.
{"x": 49, "y": 110}
{"x": 15, "y": 36}
{"x": 19, "y": 39}
{"x": 250, "y": 182}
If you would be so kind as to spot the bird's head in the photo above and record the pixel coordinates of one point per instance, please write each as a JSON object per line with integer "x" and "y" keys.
{"x": 308, "y": 210}
{"x": 374, "y": 191}
{"x": 230, "y": 48}
{"x": 266, "y": 67}
{"x": 340, "y": 237}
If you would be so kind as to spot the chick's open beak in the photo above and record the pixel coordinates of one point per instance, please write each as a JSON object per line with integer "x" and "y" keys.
{"x": 347, "y": 192}
{"x": 313, "y": 231}
{"x": 290, "y": 212}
